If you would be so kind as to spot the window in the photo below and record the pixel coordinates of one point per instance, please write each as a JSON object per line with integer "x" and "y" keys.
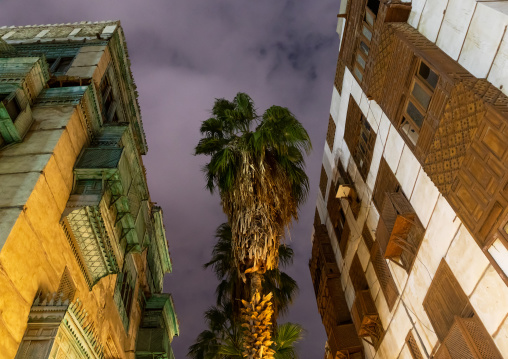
{"x": 11, "y": 104}
{"x": 445, "y": 299}
{"x": 59, "y": 65}
{"x": 360, "y": 138}
{"x": 364, "y": 148}
{"x": 124, "y": 292}
{"x": 364, "y": 39}
{"x": 88, "y": 187}
{"x": 422, "y": 87}
{"x": 109, "y": 104}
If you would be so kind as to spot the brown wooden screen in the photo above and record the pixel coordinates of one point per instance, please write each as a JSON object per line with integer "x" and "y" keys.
{"x": 384, "y": 276}
{"x": 467, "y": 339}
{"x": 353, "y": 123}
{"x": 385, "y": 182}
{"x": 364, "y": 150}
{"x": 367, "y": 236}
{"x": 413, "y": 346}
{"x": 357, "y": 275}
{"x": 330, "y": 134}
{"x": 445, "y": 300}
{"x": 323, "y": 181}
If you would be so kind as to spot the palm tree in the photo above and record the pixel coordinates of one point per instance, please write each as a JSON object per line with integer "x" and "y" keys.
{"x": 223, "y": 338}
{"x": 231, "y": 289}
{"x": 257, "y": 166}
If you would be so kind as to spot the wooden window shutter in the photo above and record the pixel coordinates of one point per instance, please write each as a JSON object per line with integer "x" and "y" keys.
{"x": 353, "y": 125}
{"x": 357, "y": 275}
{"x": 384, "y": 276}
{"x": 330, "y": 134}
{"x": 468, "y": 338}
{"x": 445, "y": 299}
{"x": 364, "y": 149}
{"x": 367, "y": 236}
{"x": 385, "y": 182}
{"x": 413, "y": 346}
{"x": 323, "y": 181}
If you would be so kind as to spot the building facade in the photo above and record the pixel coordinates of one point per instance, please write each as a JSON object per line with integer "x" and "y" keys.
{"x": 410, "y": 241}
{"x": 83, "y": 249}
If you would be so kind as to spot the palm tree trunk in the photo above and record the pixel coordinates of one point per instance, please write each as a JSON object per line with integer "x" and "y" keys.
{"x": 255, "y": 283}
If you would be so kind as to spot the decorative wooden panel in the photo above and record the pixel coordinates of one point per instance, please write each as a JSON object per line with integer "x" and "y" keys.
{"x": 468, "y": 338}
{"x": 353, "y": 123}
{"x": 330, "y": 134}
{"x": 462, "y": 114}
{"x": 382, "y": 51}
{"x": 357, "y": 274}
{"x": 413, "y": 346}
{"x": 445, "y": 299}
{"x": 323, "y": 181}
{"x": 384, "y": 276}
{"x": 385, "y": 182}
{"x": 367, "y": 236}
{"x": 479, "y": 192}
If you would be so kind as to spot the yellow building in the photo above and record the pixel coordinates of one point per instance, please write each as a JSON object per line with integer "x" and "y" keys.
{"x": 83, "y": 250}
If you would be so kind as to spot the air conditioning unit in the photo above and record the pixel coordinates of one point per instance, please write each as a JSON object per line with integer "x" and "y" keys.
{"x": 345, "y": 189}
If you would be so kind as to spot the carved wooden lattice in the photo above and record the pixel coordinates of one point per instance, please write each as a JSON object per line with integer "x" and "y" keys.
{"x": 463, "y": 112}
{"x": 413, "y": 346}
{"x": 353, "y": 123}
{"x": 468, "y": 339}
{"x": 445, "y": 299}
{"x": 385, "y": 182}
{"x": 382, "y": 55}
{"x": 384, "y": 276}
{"x": 330, "y": 135}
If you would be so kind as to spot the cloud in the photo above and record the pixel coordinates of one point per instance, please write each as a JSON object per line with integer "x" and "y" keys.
{"x": 185, "y": 54}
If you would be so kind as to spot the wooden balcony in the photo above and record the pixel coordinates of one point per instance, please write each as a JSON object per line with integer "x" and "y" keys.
{"x": 365, "y": 316}
{"x": 467, "y": 338}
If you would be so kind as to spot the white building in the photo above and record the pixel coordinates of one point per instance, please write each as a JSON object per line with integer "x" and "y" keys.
{"x": 417, "y": 216}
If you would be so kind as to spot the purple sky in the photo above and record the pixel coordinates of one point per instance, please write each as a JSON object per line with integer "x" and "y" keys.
{"x": 184, "y": 54}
